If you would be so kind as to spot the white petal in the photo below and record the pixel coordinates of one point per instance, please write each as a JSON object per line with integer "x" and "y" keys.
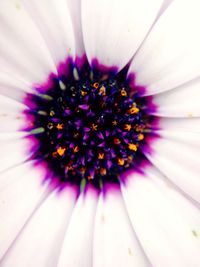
{"x": 75, "y": 11}
{"x": 11, "y": 116}
{"x": 167, "y": 224}
{"x": 170, "y": 55}
{"x": 115, "y": 243}
{"x": 23, "y": 53}
{"x": 21, "y": 191}
{"x": 40, "y": 241}
{"x": 180, "y": 162}
{"x": 13, "y": 87}
{"x": 181, "y": 124}
{"x": 13, "y": 151}
{"x": 113, "y": 30}
{"x": 54, "y": 22}
{"x": 77, "y": 246}
{"x": 179, "y": 102}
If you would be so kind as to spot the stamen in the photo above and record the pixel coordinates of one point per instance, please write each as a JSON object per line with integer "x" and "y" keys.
{"x": 61, "y": 151}
{"x": 132, "y": 147}
{"x": 127, "y": 127}
{"x": 75, "y": 73}
{"x": 120, "y": 161}
{"x": 62, "y": 85}
{"x": 37, "y": 130}
{"x": 60, "y": 126}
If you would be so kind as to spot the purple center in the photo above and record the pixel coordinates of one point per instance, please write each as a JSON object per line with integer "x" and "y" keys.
{"x": 90, "y": 125}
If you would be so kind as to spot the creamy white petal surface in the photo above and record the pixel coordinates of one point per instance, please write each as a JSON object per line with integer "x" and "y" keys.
{"x": 20, "y": 194}
{"x": 23, "y": 53}
{"x": 182, "y": 101}
{"x": 180, "y": 162}
{"x": 170, "y": 56}
{"x": 45, "y": 230}
{"x": 54, "y": 22}
{"x": 167, "y": 224}
{"x": 75, "y": 11}
{"x": 152, "y": 218}
{"x": 77, "y": 248}
{"x": 113, "y": 30}
{"x": 115, "y": 243}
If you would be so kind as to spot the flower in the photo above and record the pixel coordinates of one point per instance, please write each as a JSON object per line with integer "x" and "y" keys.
{"x": 148, "y": 215}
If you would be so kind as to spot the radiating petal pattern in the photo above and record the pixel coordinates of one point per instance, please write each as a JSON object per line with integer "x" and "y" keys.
{"x": 23, "y": 53}
{"x": 45, "y": 230}
{"x": 151, "y": 218}
{"x": 20, "y": 195}
{"x": 115, "y": 243}
{"x": 75, "y": 11}
{"x": 180, "y": 102}
{"x": 53, "y": 20}
{"x": 78, "y": 243}
{"x": 170, "y": 55}
{"x": 113, "y": 30}
{"x": 179, "y": 161}
{"x": 166, "y": 223}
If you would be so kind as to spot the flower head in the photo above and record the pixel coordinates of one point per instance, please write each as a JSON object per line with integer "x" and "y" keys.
{"x": 99, "y": 133}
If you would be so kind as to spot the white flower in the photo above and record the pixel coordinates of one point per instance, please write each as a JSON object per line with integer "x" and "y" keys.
{"x": 152, "y": 217}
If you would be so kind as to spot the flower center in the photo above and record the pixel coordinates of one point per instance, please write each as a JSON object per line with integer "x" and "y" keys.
{"x": 88, "y": 128}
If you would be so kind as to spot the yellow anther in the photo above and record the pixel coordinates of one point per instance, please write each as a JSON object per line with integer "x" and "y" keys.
{"x": 132, "y": 147}
{"x": 96, "y": 85}
{"x": 102, "y": 90}
{"x": 114, "y": 123}
{"x": 116, "y": 141}
{"x": 140, "y": 137}
{"x": 52, "y": 113}
{"x": 60, "y": 126}
{"x": 120, "y": 161}
{"x": 94, "y": 127}
{"x": 127, "y": 127}
{"x": 83, "y": 93}
{"x": 133, "y": 110}
{"x": 76, "y": 149}
{"x": 101, "y": 156}
{"x": 61, "y": 151}
{"x": 123, "y": 92}
{"x": 103, "y": 171}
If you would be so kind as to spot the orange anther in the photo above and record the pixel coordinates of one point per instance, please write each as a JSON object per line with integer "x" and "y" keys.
{"x": 133, "y": 110}
{"x": 61, "y": 150}
{"x": 120, "y": 161}
{"x": 127, "y": 127}
{"x": 101, "y": 155}
{"x": 123, "y": 92}
{"x": 94, "y": 127}
{"x": 76, "y": 149}
{"x": 83, "y": 93}
{"x": 96, "y": 85}
{"x": 132, "y": 147}
{"x": 140, "y": 137}
{"x": 116, "y": 141}
{"x": 103, "y": 171}
{"x": 60, "y": 126}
